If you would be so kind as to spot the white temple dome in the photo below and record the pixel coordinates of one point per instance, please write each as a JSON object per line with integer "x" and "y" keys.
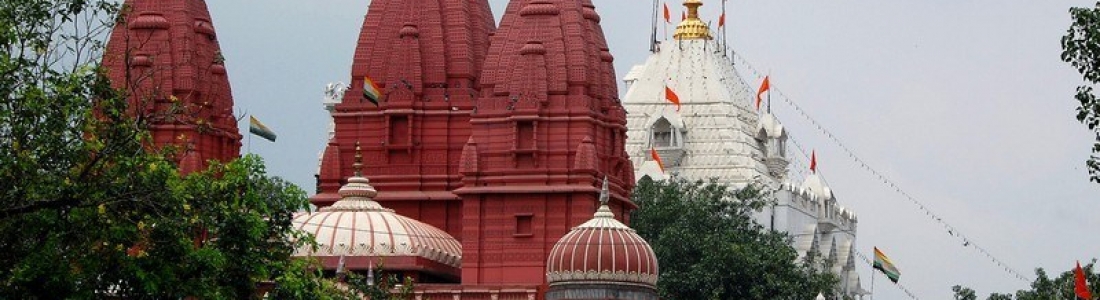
{"x": 356, "y": 225}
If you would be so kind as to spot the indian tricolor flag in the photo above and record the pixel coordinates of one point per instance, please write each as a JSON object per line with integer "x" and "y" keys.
{"x": 257, "y": 128}
{"x": 882, "y": 263}
{"x": 371, "y": 90}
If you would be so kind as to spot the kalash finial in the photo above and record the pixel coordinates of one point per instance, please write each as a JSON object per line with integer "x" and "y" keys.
{"x": 692, "y": 28}
{"x": 605, "y": 195}
{"x": 604, "y": 212}
{"x": 358, "y": 160}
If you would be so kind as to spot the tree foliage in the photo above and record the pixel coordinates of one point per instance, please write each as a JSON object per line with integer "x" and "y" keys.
{"x": 1081, "y": 48}
{"x": 1043, "y": 288}
{"x": 709, "y": 247}
{"x": 88, "y": 209}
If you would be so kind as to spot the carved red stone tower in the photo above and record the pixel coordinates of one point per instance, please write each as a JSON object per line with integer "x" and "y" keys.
{"x": 426, "y": 56}
{"x": 547, "y": 128}
{"x": 165, "y": 54}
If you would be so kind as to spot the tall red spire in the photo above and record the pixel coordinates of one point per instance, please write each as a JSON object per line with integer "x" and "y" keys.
{"x": 165, "y": 54}
{"x": 426, "y": 57}
{"x": 547, "y": 128}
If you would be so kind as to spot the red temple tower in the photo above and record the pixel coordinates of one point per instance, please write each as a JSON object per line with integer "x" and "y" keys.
{"x": 547, "y": 128}
{"x": 165, "y": 54}
{"x": 503, "y": 147}
{"x": 426, "y": 56}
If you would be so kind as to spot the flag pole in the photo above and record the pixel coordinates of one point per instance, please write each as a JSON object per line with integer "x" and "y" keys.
{"x": 725, "y": 44}
{"x": 769, "y": 94}
{"x": 873, "y": 284}
{"x": 653, "y": 33}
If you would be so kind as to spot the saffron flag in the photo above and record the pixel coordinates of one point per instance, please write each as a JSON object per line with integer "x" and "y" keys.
{"x": 813, "y": 161}
{"x": 1081, "y": 287}
{"x": 722, "y": 20}
{"x": 371, "y": 90}
{"x": 656, "y": 157}
{"x": 257, "y": 128}
{"x": 764, "y": 87}
{"x": 668, "y": 14}
{"x": 883, "y": 264}
{"x": 683, "y": 16}
{"x": 672, "y": 97}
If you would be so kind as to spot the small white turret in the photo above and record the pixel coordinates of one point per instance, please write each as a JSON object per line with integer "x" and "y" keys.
{"x": 772, "y": 139}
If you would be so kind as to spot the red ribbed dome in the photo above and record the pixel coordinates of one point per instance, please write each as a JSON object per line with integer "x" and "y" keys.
{"x": 602, "y": 250}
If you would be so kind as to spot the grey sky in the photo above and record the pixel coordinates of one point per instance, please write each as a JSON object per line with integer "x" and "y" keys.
{"x": 964, "y": 104}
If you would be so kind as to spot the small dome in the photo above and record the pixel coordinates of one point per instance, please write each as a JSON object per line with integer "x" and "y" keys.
{"x": 602, "y": 250}
{"x": 816, "y": 187}
{"x": 770, "y": 126}
{"x": 356, "y": 225}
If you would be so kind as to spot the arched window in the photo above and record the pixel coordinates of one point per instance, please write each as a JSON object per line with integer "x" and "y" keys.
{"x": 663, "y": 135}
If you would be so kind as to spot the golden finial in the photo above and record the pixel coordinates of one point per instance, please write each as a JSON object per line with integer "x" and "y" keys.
{"x": 358, "y": 160}
{"x": 692, "y": 28}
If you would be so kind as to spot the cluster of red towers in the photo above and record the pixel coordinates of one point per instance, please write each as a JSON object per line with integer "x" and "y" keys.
{"x": 165, "y": 54}
{"x": 498, "y": 136}
{"x": 501, "y": 137}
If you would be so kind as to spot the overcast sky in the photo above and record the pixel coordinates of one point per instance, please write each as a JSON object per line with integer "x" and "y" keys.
{"x": 964, "y": 104}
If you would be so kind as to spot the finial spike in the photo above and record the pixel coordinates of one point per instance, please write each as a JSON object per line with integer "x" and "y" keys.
{"x": 358, "y": 160}
{"x": 605, "y": 195}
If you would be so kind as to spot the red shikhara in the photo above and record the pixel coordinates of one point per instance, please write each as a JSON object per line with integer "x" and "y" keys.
{"x": 165, "y": 54}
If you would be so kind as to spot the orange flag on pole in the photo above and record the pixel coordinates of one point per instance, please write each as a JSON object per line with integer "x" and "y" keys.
{"x": 764, "y": 87}
{"x": 683, "y": 16}
{"x": 668, "y": 15}
{"x": 813, "y": 161}
{"x": 672, "y": 97}
{"x": 722, "y": 20}
{"x": 656, "y": 157}
{"x": 1081, "y": 287}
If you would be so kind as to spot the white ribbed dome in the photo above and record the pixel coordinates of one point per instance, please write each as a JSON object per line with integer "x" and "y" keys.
{"x": 358, "y": 226}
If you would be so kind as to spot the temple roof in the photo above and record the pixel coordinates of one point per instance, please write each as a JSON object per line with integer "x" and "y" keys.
{"x": 421, "y": 44}
{"x": 717, "y": 113}
{"x": 165, "y": 54}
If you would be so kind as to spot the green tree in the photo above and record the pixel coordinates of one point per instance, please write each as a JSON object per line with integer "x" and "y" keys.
{"x": 964, "y": 293}
{"x": 1044, "y": 287}
{"x": 1081, "y": 48}
{"x": 88, "y": 210}
{"x": 709, "y": 247}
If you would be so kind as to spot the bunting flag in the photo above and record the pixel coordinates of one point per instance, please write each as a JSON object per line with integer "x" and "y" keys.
{"x": 764, "y": 87}
{"x": 656, "y": 157}
{"x": 1081, "y": 287}
{"x": 257, "y": 128}
{"x": 672, "y": 97}
{"x": 883, "y": 264}
{"x": 722, "y": 20}
{"x": 668, "y": 14}
{"x": 371, "y": 90}
{"x": 813, "y": 161}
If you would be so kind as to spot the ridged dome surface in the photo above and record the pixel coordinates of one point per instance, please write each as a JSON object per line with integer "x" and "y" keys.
{"x": 356, "y": 225}
{"x": 602, "y": 250}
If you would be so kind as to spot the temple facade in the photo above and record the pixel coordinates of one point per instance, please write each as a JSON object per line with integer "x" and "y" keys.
{"x": 165, "y": 54}
{"x": 502, "y": 140}
{"x": 715, "y": 131}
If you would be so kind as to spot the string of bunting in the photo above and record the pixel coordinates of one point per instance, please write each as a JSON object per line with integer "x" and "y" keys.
{"x": 950, "y": 230}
